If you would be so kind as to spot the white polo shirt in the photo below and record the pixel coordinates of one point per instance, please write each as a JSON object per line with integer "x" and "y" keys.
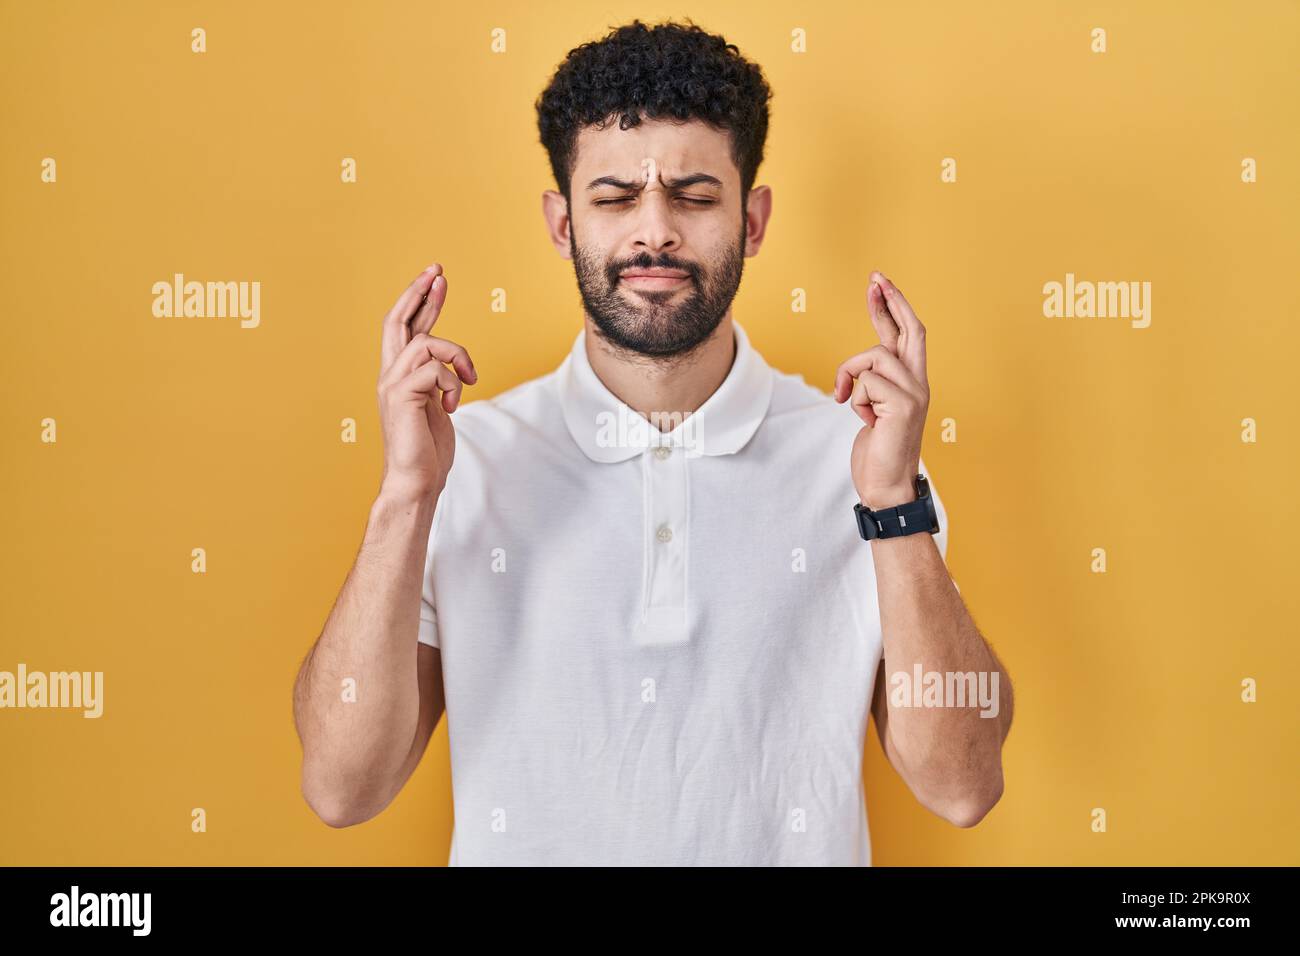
{"x": 655, "y": 652}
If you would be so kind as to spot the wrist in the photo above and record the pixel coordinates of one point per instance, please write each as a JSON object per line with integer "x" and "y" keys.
{"x": 401, "y": 495}
{"x": 877, "y": 499}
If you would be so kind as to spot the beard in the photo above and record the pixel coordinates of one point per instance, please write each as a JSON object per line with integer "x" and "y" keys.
{"x": 659, "y": 323}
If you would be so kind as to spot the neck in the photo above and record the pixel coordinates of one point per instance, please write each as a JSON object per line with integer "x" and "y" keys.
{"x": 652, "y": 386}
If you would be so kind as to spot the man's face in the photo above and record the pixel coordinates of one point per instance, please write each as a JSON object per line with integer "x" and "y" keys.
{"x": 658, "y": 198}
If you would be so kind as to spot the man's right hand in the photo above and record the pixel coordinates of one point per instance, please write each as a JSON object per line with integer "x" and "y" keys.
{"x": 417, "y": 392}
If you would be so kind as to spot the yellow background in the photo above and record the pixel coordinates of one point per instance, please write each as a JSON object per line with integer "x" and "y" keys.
{"x": 1073, "y": 434}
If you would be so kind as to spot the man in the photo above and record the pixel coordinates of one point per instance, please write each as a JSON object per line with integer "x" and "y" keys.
{"x": 643, "y": 589}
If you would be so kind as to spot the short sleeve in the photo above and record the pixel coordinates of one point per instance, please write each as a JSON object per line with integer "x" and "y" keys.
{"x": 428, "y": 630}
{"x": 428, "y": 633}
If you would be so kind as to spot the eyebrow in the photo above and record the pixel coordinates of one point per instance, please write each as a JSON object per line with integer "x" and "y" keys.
{"x": 679, "y": 183}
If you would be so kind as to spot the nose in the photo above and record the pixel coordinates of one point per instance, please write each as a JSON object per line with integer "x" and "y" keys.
{"x": 655, "y": 226}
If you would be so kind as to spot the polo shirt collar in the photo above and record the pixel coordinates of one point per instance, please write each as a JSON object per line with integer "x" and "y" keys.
{"x": 726, "y": 421}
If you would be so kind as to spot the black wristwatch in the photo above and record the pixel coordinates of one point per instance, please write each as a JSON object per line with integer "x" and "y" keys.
{"x": 912, "y": 517}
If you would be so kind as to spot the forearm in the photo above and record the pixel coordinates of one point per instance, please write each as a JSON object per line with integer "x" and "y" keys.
{"x": 951, "y": 755}
{"x": 355, "y": 744}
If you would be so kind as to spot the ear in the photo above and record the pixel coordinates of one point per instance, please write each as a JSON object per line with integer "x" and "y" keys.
{"x": 555, "y": 210}
{"x": 758, "y": 210}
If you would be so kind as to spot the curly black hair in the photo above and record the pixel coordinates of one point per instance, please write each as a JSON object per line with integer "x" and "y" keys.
{"x": 672, "y": 70}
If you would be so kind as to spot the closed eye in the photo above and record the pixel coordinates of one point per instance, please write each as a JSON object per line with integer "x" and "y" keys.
{"x": 623, "y": 199}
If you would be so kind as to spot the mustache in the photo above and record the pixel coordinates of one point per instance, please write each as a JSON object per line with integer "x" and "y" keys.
{"x": 646, "y": 261}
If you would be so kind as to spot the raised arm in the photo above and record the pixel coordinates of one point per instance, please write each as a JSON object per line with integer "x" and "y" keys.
{"x": 949, "y": 755}
{"x": 368, "y": 697}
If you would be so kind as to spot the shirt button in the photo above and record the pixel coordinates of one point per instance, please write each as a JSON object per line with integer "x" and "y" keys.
{"x": 665, "y": 533}
{"x": 662, "y": 452}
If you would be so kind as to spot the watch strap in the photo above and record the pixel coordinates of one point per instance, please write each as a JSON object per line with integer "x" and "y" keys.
{"x": 912, "y": 517}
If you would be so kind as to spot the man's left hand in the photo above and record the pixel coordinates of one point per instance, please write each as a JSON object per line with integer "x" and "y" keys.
{"x": 888, "y": 389}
